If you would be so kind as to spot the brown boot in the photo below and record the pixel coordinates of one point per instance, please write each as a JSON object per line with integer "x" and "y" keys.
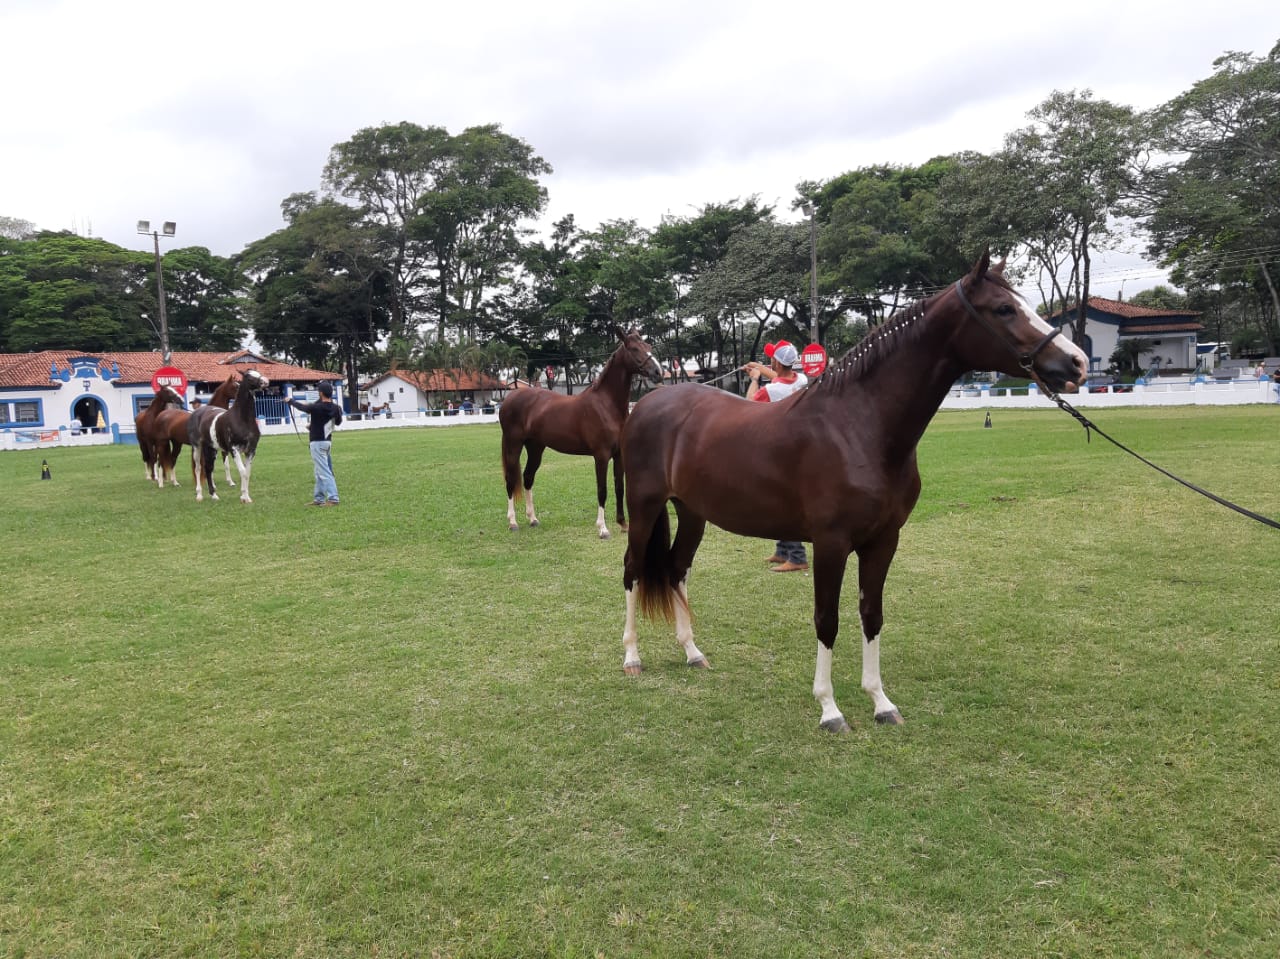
{"x": 789, "y": 567}
{"x": 775, "y": 558}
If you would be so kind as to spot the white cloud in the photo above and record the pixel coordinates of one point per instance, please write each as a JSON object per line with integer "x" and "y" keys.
{"x": 211, "y": 114}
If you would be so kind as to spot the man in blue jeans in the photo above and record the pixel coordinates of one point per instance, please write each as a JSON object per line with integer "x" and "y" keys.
{"x": 325, "y": 415}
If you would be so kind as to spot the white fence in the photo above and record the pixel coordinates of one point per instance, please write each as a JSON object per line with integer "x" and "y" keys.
{"x": 1171, "y": 392}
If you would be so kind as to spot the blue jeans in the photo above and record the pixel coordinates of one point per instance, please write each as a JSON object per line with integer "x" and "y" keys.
{"x": 792, "y": 552}
{"x": 326, "y": 484}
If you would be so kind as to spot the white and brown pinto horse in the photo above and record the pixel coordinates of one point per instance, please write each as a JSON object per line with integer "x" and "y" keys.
{"x": 234, "y": 432}
{"x": 587, "y": 424}
{"x": 834, "y": 465}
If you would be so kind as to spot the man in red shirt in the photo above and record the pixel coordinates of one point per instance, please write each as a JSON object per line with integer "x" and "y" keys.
{"x": 785, "y": 378}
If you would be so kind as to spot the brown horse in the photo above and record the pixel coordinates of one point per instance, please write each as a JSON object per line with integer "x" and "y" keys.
{"x": 149, "y": 435}
{"x": 171, "y": 431}
{"x": 234, "y": 431}
{"x": 587, "y": 424}
{"x": 834, "y": 465}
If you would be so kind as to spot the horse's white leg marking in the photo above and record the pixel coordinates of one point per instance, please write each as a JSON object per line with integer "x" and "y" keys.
{"x": 871, "y": 678}
{"x": 684, "y": 627}
{"x": 631, "y": 650}
{"x": 226, "y": 461}
{"x": 244, "y": 467}
{"x": 511, "y": 513}
{"x": 824, "y": 693}
{"x": 529, "y": 514}
{"x": 601, "y": 525}
{"x": 197, "y": 468}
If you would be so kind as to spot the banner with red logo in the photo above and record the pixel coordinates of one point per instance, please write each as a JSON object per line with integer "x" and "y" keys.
{"x": 170, "y": 376}
{"x": 813, "y": 359}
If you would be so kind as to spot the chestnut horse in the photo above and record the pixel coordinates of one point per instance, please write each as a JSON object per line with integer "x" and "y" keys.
{"x": 587, "y": 424}
{"x": 171, "y": 433}
{"x": 834, "y": 465}
{"x": 150, "y": 435}
{"x": 235, "y": 431}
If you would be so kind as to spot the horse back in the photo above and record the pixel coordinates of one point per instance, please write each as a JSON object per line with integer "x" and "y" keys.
{"x": 580, "y": 425}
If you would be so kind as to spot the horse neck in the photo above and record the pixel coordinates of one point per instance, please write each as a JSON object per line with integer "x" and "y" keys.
{"x": 614, "y": 382}
{"x": 243, "y": 410}
{"x": 896, "y": 395}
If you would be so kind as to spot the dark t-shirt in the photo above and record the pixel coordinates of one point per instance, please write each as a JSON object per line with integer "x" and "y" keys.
{"x": 325, "y": 415}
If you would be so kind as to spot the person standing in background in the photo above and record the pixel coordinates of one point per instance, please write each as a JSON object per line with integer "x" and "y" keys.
{"x": 325, "y": 415}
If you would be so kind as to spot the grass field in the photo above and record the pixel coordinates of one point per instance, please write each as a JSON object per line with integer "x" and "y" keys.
{"x": 396, "y": 729}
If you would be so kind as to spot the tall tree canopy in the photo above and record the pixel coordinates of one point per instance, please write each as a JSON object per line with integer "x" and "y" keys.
{"x": 1214, "y": 207}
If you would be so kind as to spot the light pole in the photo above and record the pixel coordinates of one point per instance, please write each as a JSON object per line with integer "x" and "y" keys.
{"x": 811, "y": 212}
{"x": 169, "y": 229}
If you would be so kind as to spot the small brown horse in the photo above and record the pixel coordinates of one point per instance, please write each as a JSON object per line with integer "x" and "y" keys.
{"x": 171, "y": 433}
{"x": 587, "y": 424}
{"x": 834, "y": 465}
{"x": 234, "y": 431}
{"x": 149, "y": 435}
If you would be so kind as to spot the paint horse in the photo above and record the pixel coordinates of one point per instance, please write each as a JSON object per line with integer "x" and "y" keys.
{"x": 587, "y": 424}
{"x": 149, "y": 434}
{"x": 171, "y": 429}
{"x": 235, "y": 432}
{"x": 834, "y": 465}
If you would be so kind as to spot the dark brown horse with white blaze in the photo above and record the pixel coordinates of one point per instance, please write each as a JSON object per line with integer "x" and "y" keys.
{"x": 151, "y": 439}
{"x": 235, "y": 431}
{"x": 587, "y": 424}
{"x": 834, "y": 465}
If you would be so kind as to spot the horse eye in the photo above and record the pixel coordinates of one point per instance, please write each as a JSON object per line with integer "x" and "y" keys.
{"x": 1005, "y": 310}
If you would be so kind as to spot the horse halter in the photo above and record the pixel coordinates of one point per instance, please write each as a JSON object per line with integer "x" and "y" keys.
{"x": 1025, "y": 359}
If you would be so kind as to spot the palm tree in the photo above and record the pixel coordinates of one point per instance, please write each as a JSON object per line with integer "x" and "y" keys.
{"x": 1127, "y": 354}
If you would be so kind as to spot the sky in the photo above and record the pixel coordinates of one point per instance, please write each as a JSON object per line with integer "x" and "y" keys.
{"x": 210, "y": 114}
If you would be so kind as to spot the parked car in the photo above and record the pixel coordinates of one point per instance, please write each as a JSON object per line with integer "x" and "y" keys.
{"x": 1100, "y": 384}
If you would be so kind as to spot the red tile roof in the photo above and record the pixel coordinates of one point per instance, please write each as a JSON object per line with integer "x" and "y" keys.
{"x": 32, "y": 369}
{"x": 443, "y": 381}
{"x": 1126, "y": 311}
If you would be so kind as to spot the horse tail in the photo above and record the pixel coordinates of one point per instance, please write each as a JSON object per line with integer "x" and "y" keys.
{"x": 653, "y": 576}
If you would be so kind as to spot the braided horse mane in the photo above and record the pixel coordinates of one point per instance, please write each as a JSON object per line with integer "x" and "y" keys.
{"x": 900, "y": 331}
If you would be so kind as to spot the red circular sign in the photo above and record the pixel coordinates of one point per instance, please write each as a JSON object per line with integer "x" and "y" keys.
{"x": 813, "y": 359}
{"x": 170, "y": 376}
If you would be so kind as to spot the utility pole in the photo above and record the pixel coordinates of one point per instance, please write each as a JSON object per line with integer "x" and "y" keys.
{"x": 169, "y": 228}
{"x": 812, "y": 212}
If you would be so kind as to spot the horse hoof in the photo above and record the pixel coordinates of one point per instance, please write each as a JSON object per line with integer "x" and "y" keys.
{"x": 699, "y": 663}
{"x": 892, "y": 718}
{"x": 514, "y": 527}
{"x": 533, "y": 523}
{"x": 836, "y": 724}
{"x": 633, "y": 669}
{"x": 622, "y": 527}
{"x": 604, "y": 534}
{"x": 245, "y": 499}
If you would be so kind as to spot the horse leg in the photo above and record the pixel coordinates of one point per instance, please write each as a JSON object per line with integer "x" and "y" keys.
{"x": 226, "y": 461}
{"x": 209, "y": 459}
{"x": 531, "y": 464}
{"x": 602, "y": 494}
{"x": 197, "y": 468}
{"x": 873, "y": 567}
{"x": 244, "y": 464}
{"x": 829, "y": 561}
{"x": 511, "y": 448}
{"x": 619, "y": 489}
{"x": 643, "y": 537}
{"x": 690, "y": 528}
{"x": 172, "y": 449}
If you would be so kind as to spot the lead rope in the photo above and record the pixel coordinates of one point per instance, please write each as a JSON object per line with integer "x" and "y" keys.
{"x": 1091, "y": 427}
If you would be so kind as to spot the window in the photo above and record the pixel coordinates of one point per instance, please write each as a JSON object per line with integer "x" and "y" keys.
{"x": 27, "y": 411}
{"x": 4, "y": 412}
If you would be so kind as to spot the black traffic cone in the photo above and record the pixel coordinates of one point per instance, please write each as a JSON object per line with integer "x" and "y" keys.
{"x": 987, "y": 424}
{"x": 44, "y": 470}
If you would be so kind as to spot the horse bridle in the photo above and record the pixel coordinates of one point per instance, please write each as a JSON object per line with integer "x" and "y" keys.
{"x": 1026, "y": 359}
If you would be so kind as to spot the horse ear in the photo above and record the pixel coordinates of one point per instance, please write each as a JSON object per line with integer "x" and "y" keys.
{"x": 616, "y": 330}
{"x": 999, "y": 267}
{"x": 982, "y": 266}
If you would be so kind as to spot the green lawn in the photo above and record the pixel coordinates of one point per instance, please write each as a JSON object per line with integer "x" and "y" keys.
{"x": 396, "y": 729}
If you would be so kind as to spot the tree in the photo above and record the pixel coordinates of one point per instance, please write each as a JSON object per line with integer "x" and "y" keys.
{"x": 60, "y": 291}
{"x": 1161, "y": 297}
{"x": 471, "y": 221}
{"x": 322, "y": 294}
{"x": 1214, "y": 207}
{"x": 883, "y": 240}
{"x": 202, "y": 300}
